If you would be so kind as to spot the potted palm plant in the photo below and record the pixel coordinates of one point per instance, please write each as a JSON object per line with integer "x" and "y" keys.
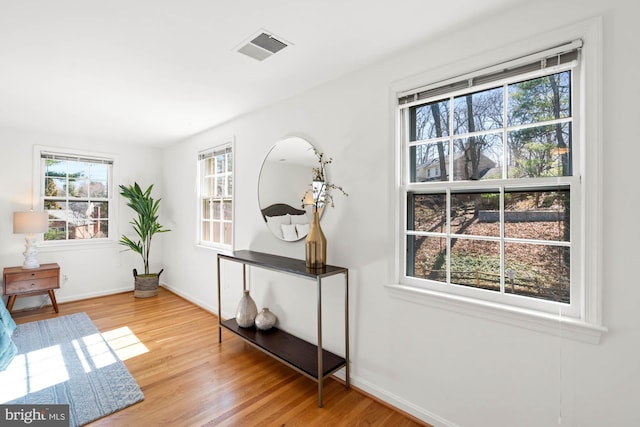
{"x": 145, "y": 224}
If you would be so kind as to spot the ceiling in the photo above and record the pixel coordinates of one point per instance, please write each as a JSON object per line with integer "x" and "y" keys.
{"x": 157, "y": 71}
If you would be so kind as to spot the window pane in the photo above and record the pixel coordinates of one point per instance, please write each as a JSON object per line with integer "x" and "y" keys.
{"x": 428, "y": 213}
{"x": 540, "y": 215}
{"x": 78, "y": 187}
{"x": 538, "y": 271}
{"x": 429, "y": 162}
{"x": 206, "y": 209}
{"x": 98, "y": 210}
{"x": 79, "y": 211}
{"x": 430, "y": 121}
{"x": 81, "y": 226}
{"x": 57, "y": 230}
{"x": 102, "y": 230}
{"x": 541, "y": 99}
{"x": 72, "y": 232}
{"x": 207, "y": 187}
{"x": 229, "y": 161}
{"x": 57, "y": 211}
{"x": 426, "y": 257}
{"x": 475, "y": 214}
{"x": 216, "y": 231}
{"x": 475, "y": 263}
{"x": 478, "y": 111}
{"x": 478, "y": 157}
{"x": 215, "y": 210}
{"x": 55, "y": 168}
{"x": 98, "y": 189}
{"x": 229, "y": 186}
{"x": 55, "y": 187}
{"x": 87, "y": 230}
{"x": 226, "y": 208}
{"x": 220, "y": 164}
{"x": 220, "y": 186}
{"x": 100, "y": 171}
{"x": 540, "y": 151}
{"x": 206, "y": 231}
{"x": 78, "y": 169}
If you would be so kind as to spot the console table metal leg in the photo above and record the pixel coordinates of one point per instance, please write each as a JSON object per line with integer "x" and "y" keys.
{"x": 219, "y": 304}
{"x": 320, "y": 367}
{"x": 346, "y": 329}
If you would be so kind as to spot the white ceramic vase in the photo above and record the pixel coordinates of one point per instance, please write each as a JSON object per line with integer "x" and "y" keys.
{"x": 265, "y": 320}
{"x": 247, "y": 311}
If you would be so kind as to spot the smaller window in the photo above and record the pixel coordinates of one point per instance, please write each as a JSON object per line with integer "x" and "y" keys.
{"x": 215, "y": 197}
{"x": 76, "y": 194}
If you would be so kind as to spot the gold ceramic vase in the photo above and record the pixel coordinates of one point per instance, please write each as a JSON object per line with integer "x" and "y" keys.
{"x": 316, "y": 245}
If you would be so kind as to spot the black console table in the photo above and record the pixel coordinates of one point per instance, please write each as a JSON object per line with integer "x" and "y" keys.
{"x": 309, "y": 359}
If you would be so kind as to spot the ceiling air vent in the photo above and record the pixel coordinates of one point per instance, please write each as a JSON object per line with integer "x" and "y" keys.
{"x": 262, "y": 46}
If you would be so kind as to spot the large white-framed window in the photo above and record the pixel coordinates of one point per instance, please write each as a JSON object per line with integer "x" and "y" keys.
{"x": 492, "y": 189}
{"x": 75, "y": 188}
{"x": 215, "y": 197}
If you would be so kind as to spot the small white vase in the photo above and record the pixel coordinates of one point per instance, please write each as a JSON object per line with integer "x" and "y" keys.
{"x": 247, "y": 311}
{"x": 265, "y": 320}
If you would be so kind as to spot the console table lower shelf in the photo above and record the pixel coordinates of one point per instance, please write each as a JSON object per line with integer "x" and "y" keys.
{"x": 289, "y": 349}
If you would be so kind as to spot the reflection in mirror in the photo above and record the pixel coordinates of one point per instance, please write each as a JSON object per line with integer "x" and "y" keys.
{"x": 284, "y": 179}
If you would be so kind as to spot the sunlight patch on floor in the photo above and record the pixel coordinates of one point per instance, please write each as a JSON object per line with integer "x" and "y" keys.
{"x": 44, "y": 368}
{"x": 125, "y": 343}
{"x": 93, "y": 352}
{"x": 32, "y": 372}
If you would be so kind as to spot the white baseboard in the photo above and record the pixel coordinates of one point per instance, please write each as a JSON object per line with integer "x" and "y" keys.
{"x": 88, "y": 295}
{"x": 398, "y": 402}
{"x": 206, "y": 306}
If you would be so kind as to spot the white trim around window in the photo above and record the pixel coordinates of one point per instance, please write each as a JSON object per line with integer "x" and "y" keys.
{"x": 112, "y": 199}
{"x": 215, "y": 196}
{"x": 585, "y": 323}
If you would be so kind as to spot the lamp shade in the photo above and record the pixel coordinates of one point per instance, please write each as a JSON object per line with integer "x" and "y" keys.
{"x": 30, "y": 222}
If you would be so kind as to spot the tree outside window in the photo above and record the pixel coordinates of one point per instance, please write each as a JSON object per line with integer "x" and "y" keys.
{"x": 76, "y": 196}
{"x": 482, "y": 211}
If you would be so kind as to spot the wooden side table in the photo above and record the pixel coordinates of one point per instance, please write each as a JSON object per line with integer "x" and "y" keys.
{"x": 20, "y": 282}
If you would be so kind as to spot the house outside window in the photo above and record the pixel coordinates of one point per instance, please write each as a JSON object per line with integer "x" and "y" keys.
{"x": 76, "y": 191}
{"x": 215, "y": 168}
{"x": 491, "y": 185}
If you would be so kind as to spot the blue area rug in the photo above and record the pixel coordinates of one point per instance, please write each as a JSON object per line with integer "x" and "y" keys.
{"x": 65, "y": 360}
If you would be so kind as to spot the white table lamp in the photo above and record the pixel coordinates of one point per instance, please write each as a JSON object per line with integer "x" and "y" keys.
{"x": 28, "y": 223}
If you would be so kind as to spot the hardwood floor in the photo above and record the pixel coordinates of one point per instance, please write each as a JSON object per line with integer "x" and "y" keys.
{"x": 189, "y": 379}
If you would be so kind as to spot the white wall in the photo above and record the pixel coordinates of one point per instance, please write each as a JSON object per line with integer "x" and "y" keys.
{"x": 443, "y": 366}
{"x": 88, "y": 270}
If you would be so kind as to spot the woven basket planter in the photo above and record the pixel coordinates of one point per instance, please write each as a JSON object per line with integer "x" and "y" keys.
{"x": 146, "y": 285}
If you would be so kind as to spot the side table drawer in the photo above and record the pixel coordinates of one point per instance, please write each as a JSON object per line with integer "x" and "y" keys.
{"x": 31, "y": 275}
{"x": 36, "y": 284}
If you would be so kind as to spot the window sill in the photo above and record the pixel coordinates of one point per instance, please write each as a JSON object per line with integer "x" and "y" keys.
{"x": 540, "y": 322}
{"x": 216, "y": 248}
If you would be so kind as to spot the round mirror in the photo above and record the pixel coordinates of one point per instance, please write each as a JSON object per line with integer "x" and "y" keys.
{"x": 285, "y": 177}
